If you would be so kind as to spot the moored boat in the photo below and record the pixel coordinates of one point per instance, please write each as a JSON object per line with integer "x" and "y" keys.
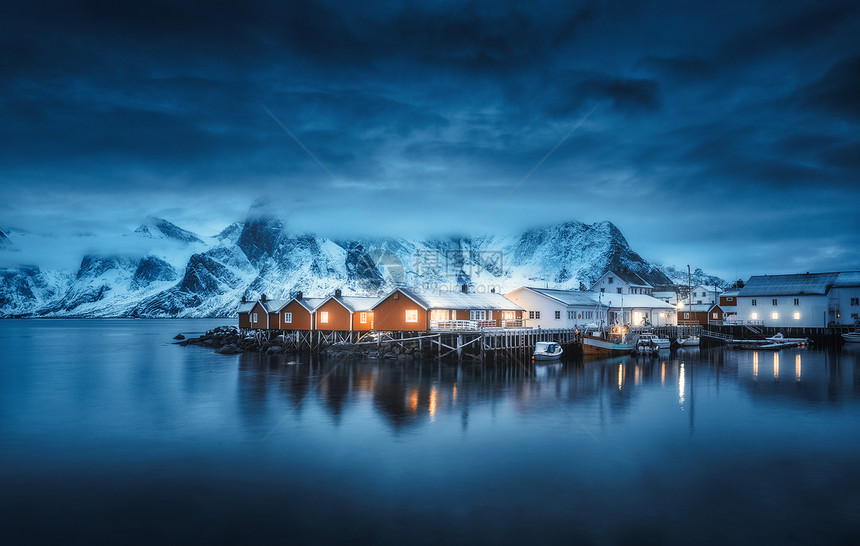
{"x": 614, "y": 344}
{"x": 851, "y": 337}
{"x": 547, "y": 350}
{"x": 692, "y": 341}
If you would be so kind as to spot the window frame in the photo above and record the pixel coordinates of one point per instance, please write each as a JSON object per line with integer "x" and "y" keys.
{"x": 288, "y": 317}
{"x": 411, "y": 313}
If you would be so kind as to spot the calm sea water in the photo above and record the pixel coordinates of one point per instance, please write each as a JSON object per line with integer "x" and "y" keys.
{"x": 110, "y": 433}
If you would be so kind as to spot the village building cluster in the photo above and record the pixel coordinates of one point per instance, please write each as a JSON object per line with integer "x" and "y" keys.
{"x": 810, "y": 300}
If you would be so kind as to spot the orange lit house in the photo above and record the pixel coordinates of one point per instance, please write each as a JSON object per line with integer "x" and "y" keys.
{"x": 297, "y": 313}
{"x": 405, "y": 310}
{"x": 345, "y": 313}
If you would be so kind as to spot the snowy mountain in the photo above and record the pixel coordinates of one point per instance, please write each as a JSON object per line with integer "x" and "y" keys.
{"x": 697, "y": 277}
{"x": 181, "y": 274}
{"x": 159, "y": 228}
{"x": 6, "y": 243}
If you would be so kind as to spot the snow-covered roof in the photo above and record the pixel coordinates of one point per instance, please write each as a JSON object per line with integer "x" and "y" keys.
{"x": 697, "y": 308}
{"x": 788, "y": 285}
{"x": 311, "y": 304}
{"x": 246, "y": 307}
{"x": 708, "y": 289}
{"x": 458, "y": 300}
{"x": 566, "y": 297}
{"x": 355, "y": 304}
{"x": 631, "y": 278}
{"x": 273, "y": 306}
{"x": 847, "y": 278}
{"x": 730, "y": 293}
{"x": 630, "y": 300}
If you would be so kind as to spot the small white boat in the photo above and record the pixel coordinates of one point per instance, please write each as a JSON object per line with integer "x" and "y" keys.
{"x": 692, "y": 341}
{"x": 851, "y": 337}
{"x": 779, "y": 338}
{"x": 658, "y": 341}
{"x": 547, "y": 350}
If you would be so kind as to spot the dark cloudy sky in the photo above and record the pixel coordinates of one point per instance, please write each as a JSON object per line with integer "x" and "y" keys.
{"x": 724, "y": 135}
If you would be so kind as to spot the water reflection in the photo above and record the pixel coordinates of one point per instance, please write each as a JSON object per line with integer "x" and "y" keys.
{"x": 409, "y": 395}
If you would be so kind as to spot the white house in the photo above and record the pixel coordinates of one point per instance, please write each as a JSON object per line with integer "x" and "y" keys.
{"x": 704, "y": 294}
{"x": 637, "y": 309}
{"x": 810, "y": 300}
{"x": 623, "y": 282}
{"x": 547, "y": 308}
{"x": 669, "y": 296}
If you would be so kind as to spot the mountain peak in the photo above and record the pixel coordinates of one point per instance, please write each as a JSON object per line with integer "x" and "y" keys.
{"x": 159, "y": 228}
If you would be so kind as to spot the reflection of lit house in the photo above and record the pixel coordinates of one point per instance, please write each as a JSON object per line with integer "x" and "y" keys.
{"x": 548, "y": 308}
{"x": 814, "y": 300}
{"x": 406, "y": 310}
{"x": 700, "y": 314}
{"x": 345, "y": 313}
{"x": 638, "y": 309}
{"x": 622, "y": 282}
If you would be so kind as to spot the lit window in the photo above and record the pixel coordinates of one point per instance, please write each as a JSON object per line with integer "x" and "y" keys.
{"x": 509, "y": 315}
{"x": 774, "y": 315}
{"x": 412, "y": 315}
{"x": 288, "y": 317}
{"x": 715, "y": 315}
{"x": 558, "y": 315}
{"x": 324, "y": 317}
{"x": 362, "y": 318}
{"x": 796, "y": 315}
{"x": 662, "y": 315}
{"x": 754, "y": 316}
{"x": 255, "y": 317}
{"x": 686, "y": 315}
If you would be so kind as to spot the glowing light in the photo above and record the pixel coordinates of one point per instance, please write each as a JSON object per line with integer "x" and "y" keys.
{"x": 662, "y": 315}
{"x": 774, "y": 315}
{"x": 663, "y": 374}
{"x": 324, "y": 317}
{"x": 413, "y": 400}
{"x": 636, "y": 376}
{"x": 797, "y": 315}
{"x": 454, "y": 393}
{"x": 620, "y": 375}
{"x": 432, "y": 407}
{"x": 754, "y": 316}
{"x": 797, "y": 367}
{"x": 412, "y": 315}
{"x": 682, "y": 384}
{"x": 680, "y": 305}
{"x": 776, "y": 366}
{"x": 755, "y": 365}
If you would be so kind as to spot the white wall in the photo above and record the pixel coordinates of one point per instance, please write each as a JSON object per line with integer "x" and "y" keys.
{"x": 532, "y": 301}
{"x": 847, "y": 312}
{"x": 812, "y": 310}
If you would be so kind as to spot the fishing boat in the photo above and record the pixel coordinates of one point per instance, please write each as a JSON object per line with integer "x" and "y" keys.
{"x": 547, "y": 350}
{"x": 779, "y": 338}
{"x": 612, "y": 344}
{"x": 851, "y": 337}
{"x": 646, "y": 347}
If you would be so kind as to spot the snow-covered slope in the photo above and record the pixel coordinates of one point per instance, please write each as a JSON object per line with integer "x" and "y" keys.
{"x": 183, "y": 274}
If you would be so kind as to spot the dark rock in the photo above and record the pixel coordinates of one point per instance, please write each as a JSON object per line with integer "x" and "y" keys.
{"x": 390, "y": 355}
{"x": 229, "y": 350}
{"x": 275, "y": 350}
{"x": 179, "y": 336}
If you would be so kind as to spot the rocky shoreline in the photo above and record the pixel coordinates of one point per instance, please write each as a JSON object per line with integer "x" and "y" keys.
{"x": 228, "y": 340}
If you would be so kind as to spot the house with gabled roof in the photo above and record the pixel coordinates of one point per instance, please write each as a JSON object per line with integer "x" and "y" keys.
{"x": 297, "y": 313}
{"x": 622, "y": 282}
{"x": 550, "y": 308}
{"x": 805, "y": 300}
{"x": 345, "y": 313}
{"x": 244, "y": 312}
{"x": 407, "y": 310}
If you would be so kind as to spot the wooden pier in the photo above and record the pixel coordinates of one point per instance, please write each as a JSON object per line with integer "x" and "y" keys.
{"x": 484, "y": 345}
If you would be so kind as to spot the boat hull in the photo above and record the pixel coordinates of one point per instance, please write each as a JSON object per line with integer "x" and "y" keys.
{"x": 689, "y": 342}
{"x": 592, "y": 346}
{"x": 851, "y": 338}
